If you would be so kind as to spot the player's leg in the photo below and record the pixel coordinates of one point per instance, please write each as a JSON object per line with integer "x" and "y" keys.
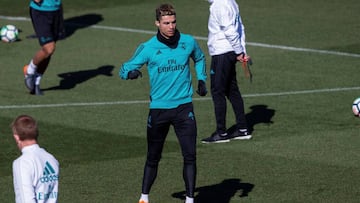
{"x": 237, "y": 102}
{"x": 219, "y": 72}
{"x": 236, "y": 99}
{"x": 46, "y": 27}
{"x": 157, "y": 130}
{"x": 218, "y": 90}
{"x": 186, "y": 131}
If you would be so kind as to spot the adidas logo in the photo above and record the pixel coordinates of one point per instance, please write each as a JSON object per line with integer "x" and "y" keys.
{"x": 149, "y": 122}
{"x": 45, "y": 39}
{"x": 49, "y": 174}
{"x": 158, "y": 52}
{"x": 183, "y": 45}
{"x": 191, "y": 115}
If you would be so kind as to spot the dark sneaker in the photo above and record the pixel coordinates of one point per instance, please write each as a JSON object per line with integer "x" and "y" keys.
{"x": 29, "y": 79}
{"x": 216, "y": 138}
{"x": 241, "y": 135}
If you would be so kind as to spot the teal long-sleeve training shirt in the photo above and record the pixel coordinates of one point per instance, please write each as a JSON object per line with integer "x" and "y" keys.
{"x": 46, "y": 5}
{"x": 169, "y": 70}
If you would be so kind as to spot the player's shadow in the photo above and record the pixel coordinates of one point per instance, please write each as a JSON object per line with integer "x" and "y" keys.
{"x": 219, "y": 193}
{"x": 72, "y": 24}
{"x": 71, "y": 79}
{"x": 259, "y": 114}
{"x": 79, "y": 22}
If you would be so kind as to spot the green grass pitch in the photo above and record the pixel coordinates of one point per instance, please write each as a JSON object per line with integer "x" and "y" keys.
{"x": 305, "y": 145}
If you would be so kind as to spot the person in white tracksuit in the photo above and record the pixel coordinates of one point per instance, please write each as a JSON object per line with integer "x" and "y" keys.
{"x": 226, "y": 44}
{"x": 35, "y": 172}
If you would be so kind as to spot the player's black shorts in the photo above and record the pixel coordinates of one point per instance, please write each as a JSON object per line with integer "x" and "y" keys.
{"x": 48, "y": 25}
{"x": 182, "y": 119}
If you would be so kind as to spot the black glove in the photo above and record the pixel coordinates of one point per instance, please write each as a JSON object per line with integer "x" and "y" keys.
{"x": 201, "y": 88}
{"x": 134, "y": 74}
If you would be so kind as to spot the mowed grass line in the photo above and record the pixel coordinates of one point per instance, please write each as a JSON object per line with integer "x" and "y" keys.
{"x": 297, "y": 164}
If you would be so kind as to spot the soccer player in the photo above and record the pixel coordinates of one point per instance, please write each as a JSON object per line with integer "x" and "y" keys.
{"x": 36, "y": 172}
{"x": 47, "y": 20}
{"x": 226, "y": 44}
{"x": 166, "y": 56}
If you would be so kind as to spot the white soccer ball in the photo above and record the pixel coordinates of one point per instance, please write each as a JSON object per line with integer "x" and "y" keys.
{"x": 9, "y": 33}
{"x": 356, "y": 107}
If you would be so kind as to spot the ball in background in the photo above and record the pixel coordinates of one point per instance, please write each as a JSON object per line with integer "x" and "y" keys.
{"x": 9, "y": 33}
{"x": 356, "y": 107}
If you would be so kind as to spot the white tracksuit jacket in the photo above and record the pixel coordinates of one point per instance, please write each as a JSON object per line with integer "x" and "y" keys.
{"x": 226, "y": 31}
{"x": 36, "y": 174}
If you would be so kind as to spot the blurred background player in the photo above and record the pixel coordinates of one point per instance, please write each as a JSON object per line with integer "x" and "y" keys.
{"x": 167, "y": 58}
{"x": 47, "y": 19}
{"x": 35, "y": 172}
{"x": 226, "y": 44}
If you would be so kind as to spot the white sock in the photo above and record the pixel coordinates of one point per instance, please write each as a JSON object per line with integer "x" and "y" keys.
{"x": 37, "y": 79}
{"x": 32, "y": 68}
{"x": 144, "y": 197}
{"x": 189, "y": 199}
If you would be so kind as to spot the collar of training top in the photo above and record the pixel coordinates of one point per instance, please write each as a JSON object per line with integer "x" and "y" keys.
{"x": 172, "y": 42}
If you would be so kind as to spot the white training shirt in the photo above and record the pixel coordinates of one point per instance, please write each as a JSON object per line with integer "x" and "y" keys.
{"x": 36, "y": 174}
{"x": 226, "y": 31}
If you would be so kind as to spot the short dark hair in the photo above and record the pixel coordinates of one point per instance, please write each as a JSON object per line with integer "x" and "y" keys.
{"x": 164, "y": 10}
{"x": 25, "y": 127}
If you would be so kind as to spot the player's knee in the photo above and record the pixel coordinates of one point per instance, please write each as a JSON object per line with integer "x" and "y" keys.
{"x": 49, "y": 48}
{"x": 190, "y": 159}
{"x": 153, "y": 159}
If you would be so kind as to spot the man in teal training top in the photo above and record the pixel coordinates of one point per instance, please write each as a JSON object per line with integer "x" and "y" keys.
{"x": 166, "y": 56}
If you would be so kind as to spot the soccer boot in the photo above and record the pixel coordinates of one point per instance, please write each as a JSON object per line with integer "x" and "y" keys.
{"x": 241, "y": 134}
{"x": 142, "y": 201}
{"x": 216, "y": 138}
{"x": 29, "y": 80}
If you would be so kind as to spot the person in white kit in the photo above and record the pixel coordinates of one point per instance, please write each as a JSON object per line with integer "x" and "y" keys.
{"x": 226, "y": 44}
{"x": 35, "y": 172}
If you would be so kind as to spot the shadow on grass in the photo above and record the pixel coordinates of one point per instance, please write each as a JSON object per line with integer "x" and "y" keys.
{"x": 74, "y": 23}
{"x": 71, "y": 79}
{"x": 219, "y": 193}
{"x": 79, "y": 22}
{"x": 259, "y": 114}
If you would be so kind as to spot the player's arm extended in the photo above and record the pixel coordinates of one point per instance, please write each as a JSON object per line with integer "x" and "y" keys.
{"x": 134, "y": 64}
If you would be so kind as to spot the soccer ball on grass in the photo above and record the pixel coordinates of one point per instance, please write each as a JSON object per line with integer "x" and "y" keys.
{"x": 356, "y": 107}
{"x": 9, "y": 33}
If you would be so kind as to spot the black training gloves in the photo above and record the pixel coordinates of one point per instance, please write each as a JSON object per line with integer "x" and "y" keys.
{"x": 201, "y": 88}
{"x": 134, "y": 74}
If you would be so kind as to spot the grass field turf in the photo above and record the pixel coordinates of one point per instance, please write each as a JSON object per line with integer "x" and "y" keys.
{"x": 307, "y": 153}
